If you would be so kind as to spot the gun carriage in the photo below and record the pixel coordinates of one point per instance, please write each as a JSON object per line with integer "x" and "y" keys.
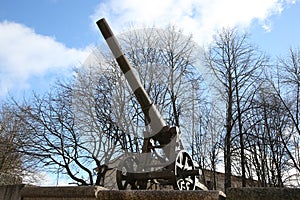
{"x": 176, "y": 167}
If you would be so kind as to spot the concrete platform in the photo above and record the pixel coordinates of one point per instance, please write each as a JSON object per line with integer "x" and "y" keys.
{"x": 100, "y": 193}
{"x": 59, "y": 193}
{"x": 159, "y": 194}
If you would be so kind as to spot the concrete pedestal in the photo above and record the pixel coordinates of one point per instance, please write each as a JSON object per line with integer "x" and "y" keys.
{"x": 100, "y": 193}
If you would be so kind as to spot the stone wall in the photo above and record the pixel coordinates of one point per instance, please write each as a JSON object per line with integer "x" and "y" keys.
{"x": 10, "y": 192}
{"x": 263, "y": 193}
{"x": 236, "y": 181}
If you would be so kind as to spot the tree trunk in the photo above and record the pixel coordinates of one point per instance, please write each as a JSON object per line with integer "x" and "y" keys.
{"x": 227, "y": 152}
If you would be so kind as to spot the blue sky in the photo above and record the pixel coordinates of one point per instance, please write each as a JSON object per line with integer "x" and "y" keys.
{"x": 67, "y": 21}
{"x": 42, "y": 40}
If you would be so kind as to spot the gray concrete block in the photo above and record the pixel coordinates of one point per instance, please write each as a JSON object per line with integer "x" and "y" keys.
{"x": 60, "y": 193}
{"x": 158, "y": 194}
{"x": 263, "y": 193}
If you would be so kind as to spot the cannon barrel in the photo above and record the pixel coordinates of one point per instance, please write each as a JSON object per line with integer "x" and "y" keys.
{"x": 153, "y": 117}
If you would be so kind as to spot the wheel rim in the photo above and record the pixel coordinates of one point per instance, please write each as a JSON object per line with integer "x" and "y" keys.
{"x": 184, "y": 163}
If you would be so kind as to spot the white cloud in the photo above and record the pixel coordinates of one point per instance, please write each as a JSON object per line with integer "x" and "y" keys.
{"x": 43, "y": 178}
{"x": 199, "y": 17}
{"x": 24, "y": 54}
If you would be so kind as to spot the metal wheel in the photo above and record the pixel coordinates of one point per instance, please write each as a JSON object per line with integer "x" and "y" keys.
{"x": 125, "y": 175}
{"x": 184, "y": 164}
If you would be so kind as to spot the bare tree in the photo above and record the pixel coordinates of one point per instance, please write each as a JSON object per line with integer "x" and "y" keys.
{"x": 206, "y": 142}
{"x": 10, "y": 161}
{"x": 287, "y": 89}
{"x": 236, "y": 65}
{"x": 13, "y": 164}
{"x": 63, "y": 130}
{"x": 269, "y": 132}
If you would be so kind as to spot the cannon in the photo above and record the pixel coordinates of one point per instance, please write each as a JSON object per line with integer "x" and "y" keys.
{"x": 175, "y": 167}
